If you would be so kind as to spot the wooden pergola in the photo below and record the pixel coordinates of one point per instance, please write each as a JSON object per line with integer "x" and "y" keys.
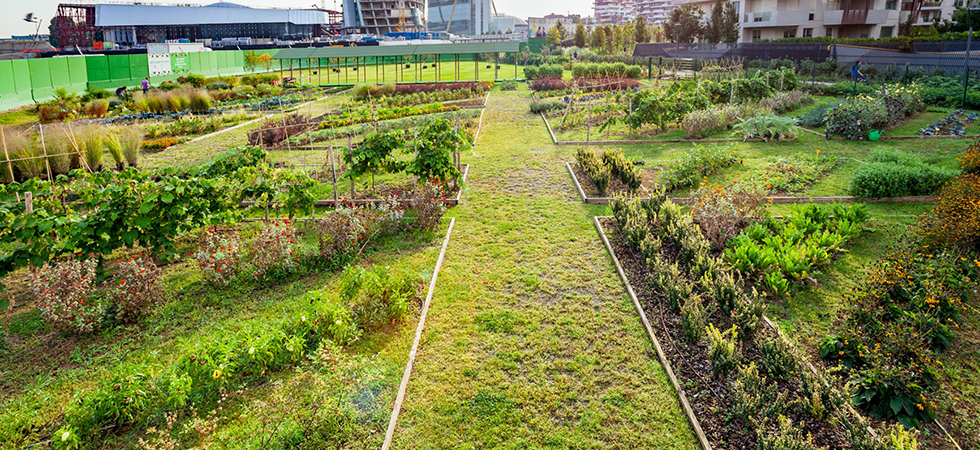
{"x": 407, "y": 59}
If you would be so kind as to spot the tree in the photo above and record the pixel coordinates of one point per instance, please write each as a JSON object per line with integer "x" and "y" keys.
{"x": 437, "y": 142}
{"x": 722, "y": 25}
{"x": 562, "y": 31}
{"x": 959, "y": 22}
{"x": 254, "y": 60}
{"x": 553, "y": 37}
{"x": 730, "y": 24}
{"x": 597, "y": 39}
{"x": 684, "y": 25}
{"x": 376, "y": 153}
{"x": 642, "y": 34}
{"x": 580, "y": 35}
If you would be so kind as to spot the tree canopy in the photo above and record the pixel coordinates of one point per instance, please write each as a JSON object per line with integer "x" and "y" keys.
{"x": 684, "y": 25}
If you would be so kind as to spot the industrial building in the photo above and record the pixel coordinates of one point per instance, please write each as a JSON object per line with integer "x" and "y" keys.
{"x": 380, "y": 17}
{"x": 134, "y": 24}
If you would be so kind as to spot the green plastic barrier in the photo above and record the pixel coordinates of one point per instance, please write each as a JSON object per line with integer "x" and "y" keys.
{"x": 77, "y": 73}
{"x": 40, "y": 74}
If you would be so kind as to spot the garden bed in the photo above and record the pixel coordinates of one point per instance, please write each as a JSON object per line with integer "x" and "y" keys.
{"x": 709, "y": 397}
{"x": 590, "y": 195}
{"x": 554, "y": 139}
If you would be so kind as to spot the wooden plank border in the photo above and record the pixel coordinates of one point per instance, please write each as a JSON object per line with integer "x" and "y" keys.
{"x": 892, "y": 138}
{"x": 681, "y": 396}
{"x": 403, "y": 387}
{"x": 207, "y": 136}
{"x": 550, "y": 131}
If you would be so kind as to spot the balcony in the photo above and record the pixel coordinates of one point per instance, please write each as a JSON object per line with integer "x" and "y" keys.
{"x": 776, "y": 19}
{"x": 858, "y": 17}
{"x": 932, "y": 5}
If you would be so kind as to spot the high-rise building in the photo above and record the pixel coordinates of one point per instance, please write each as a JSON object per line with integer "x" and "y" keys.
{"x": 462, "y": 17}
{"x": 614, "y": 12}
{"x": 383, "y": 16}
{"x": 654, "y": 11}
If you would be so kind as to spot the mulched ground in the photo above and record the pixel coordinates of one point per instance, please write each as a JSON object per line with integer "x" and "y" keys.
{"x": 710, "y": 397}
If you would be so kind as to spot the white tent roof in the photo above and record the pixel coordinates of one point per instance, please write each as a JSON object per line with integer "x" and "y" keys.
{"x": 109, "y": 15}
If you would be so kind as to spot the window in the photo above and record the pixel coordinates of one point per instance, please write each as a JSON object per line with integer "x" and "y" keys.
{"x": 791, "y": 33}
{"x": 886, "y": 32}
{"x": 891, "y": 5}
{"x": 864, "y": 35}
{"x": 808, "y": 32}
{"x": 811, "y": 16}
{"x": 756, "y": 34}
{"x": 830, "y": 32}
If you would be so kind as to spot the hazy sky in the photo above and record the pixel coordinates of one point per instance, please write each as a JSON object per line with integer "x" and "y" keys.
{"x": 11, "y": 22}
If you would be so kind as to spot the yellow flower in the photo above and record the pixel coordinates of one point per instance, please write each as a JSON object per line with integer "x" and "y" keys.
{"x": 216, "y": 374}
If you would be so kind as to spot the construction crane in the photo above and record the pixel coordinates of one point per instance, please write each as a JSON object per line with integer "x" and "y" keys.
{"x": 401, "y": 17}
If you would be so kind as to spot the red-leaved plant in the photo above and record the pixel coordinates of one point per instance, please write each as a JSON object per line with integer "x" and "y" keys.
{"x": 135, "y": 287}
{"x": 272, "y": 248}
{"x": 219, "y": 256}
{"x": 65, "y": 293}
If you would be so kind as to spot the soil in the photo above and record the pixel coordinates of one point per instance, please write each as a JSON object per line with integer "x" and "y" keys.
{"x": 616, "y": 186}
{"x": 710, "y": 397}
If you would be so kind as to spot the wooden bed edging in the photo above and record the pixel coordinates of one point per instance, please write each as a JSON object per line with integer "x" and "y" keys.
{"x": 453, "y": 201}
{"x": 666, "y": 141}
{"x": 893, "y": 138}
{"x": 209, "y": 135}
{"x": 681, "y": 396}
{"x": 552, "y": 133}
{"x": 403, "y": 386}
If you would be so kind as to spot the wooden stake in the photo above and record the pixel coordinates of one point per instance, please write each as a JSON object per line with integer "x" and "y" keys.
{"x": 333, "y": 172}
{"x": 29, "y": 202}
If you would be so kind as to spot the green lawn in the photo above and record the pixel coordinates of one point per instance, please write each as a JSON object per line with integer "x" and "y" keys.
{"x": 394, "y": 73}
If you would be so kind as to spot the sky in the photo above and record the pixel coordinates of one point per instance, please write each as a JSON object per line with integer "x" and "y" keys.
{"x": 11, "y": 22}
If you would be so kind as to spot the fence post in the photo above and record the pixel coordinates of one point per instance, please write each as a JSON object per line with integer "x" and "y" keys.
{"x": 650, "y": 68}
{"x": 29, "y": 202}
{"x": 905, "y": 78}
{"x": 813, "y": 79}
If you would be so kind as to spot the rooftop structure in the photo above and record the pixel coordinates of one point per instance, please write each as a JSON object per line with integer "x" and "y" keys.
{"x": 384, "y": 16}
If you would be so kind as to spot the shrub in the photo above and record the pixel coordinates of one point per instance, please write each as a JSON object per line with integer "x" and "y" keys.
{"x": 65, "y": 293}
{"x": 700, "y": 161}
{"x": 970, "y": 161}
{"x": 779, "y": 358}
{"x": 723, "y": 349}
{"x": 592, "y": 164}
{"x": 754, "y": 398}
{"x": 96, "y": 108}
{"x": 694, "y": 318}
{"x": 896, "y": 174}
{"x": 783, "y": 102}
{"x": 622, "y": 168}
{"x": 817, "y": 116}
{"x": 218, "y": 86}
{"x": 136, "y": 286}
{"x": 26, "y": 153}
{"x": 543, "y": 106}
{"x": 767, "y": 127}
{"x": 702, "y": 123}
{"x": 379, "y": 295}
{"x": 508, "y": 85}
{"x": 955, "y": 218}
{"x": 548, "y": 84}
{"x": 199, "y": 101}
{"x": 723, "y": 210}
{"x": 854, "y": 117}
{"x": 428, "y": 203}
{"x": 606, "y": 70}
{"x": 261, "y": 78}
{"x": 194, "y": 79}
{"x": 272, "y": 249}
{"x": 219, "y": 256}
{"x": 340, "y": 230}
{"x": 787, "y": 437}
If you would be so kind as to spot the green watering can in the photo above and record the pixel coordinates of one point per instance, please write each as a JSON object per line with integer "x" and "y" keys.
{"x": 873, "y": 135}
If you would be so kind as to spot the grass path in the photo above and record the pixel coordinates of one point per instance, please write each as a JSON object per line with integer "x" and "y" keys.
{"x": 531, "y": 341}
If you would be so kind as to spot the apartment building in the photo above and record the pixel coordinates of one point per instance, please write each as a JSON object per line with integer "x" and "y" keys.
{"x": 654, "y": 11}
{"x": 614, "y": 12}
{"x": 777, "y": 19}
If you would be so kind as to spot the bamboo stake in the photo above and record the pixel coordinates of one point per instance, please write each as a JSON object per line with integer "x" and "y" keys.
{"x": 333, "y": 171}
{"x": 44, "y": 149}
{"x": 10, "y": 166}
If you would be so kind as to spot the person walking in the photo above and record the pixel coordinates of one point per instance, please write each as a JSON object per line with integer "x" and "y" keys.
{"x": 856, "y": 74}
{"x": 145, "y": 85}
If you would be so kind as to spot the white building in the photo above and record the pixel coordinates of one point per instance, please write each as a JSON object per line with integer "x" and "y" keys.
{"x": 777, "y": 19}
{"x": 614, "y": 12}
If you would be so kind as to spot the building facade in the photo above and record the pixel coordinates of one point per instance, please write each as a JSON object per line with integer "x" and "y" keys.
{"x": 462, "y": 17}
{"x": 383, "y": 16}
{"x": 543, "y": 24}
{"x": 839, "y": 19}
{"x": 133, "y": 24}
{"x": 654, "y": 11}
{"x": 613, "y": 12}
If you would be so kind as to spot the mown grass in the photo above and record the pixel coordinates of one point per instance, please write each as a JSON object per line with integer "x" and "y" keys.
{"x": 392, "y": 73}
{"x": 531, "y": 341}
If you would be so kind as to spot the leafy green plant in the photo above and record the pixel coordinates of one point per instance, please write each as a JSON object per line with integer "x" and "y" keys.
{"x": 786, "y": 437}
{"x": 622, "y": 168}
{"x": 754, "y": 398}
{"x": 767, "y": 127}
{"x": 435, "y": 145}
{"x": 592, "y": 164}
{"x": 896, "y": 174}
{"x": 779, "y": 358}
{"x": 375, "y": 154}
{"x": 700, "y": 161}
{"x": 380, "y": 294}
{"x": 65, "y": 294}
